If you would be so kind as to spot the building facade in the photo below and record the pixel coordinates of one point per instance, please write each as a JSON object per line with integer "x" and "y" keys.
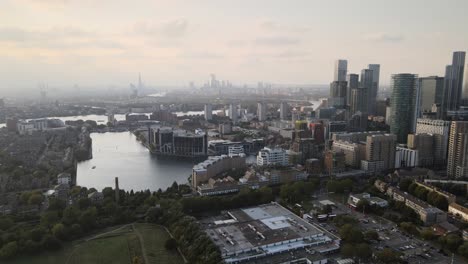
{"x": 457, "y": 165}
{"x": 208, "y": 112}
{"x": 453, "y": 83}
{"x": 261, "y": 111}
{"x": 341, "y": 69}
{"x": 272, "y": 157}
{"x": 403, "y": 100}
{"x": 439, "y": 129}
{"x": 380, "y": 149}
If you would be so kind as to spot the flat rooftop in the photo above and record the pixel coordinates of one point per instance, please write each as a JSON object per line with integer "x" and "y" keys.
{"x": 268, "y": 229}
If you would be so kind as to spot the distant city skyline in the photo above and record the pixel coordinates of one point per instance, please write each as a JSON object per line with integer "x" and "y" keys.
{"x": 89, "y": 43}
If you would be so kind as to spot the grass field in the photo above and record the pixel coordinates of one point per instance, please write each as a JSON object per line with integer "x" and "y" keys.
{"x": 116, "y": 247}
{"x": 154, "y": 238}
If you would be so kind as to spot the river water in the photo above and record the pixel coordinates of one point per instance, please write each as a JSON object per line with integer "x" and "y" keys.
{"x": 121, "y": 155}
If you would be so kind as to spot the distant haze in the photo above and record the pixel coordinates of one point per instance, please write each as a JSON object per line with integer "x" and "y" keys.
{"x": 108, "y": 42}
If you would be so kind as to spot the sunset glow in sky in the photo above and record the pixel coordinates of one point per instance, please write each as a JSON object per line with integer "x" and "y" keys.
{"x": 103, "y": 42}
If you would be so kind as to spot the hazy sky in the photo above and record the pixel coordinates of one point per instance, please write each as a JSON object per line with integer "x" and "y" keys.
{"x": 103, "y": 42}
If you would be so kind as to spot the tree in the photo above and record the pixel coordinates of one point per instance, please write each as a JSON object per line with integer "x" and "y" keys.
{"x": 32, "y": 247}
{"x": 451, "y": 241}
{"x": 6, "y": 223}
{"x": 35, "y": 199}
{"x": 51, "y": 243}
{"x": 171, "y": 244}
{"x": 404, "y": 184}
{"x": 153, "y": 214}
{"x": 363, "y": 206}
{"x": 351, "y": 234}
{"x": 70, "y": 215}
{"x": 9, "y": 250}
{"x": 49, "y": 219}
{"x": 341, "y": 220}
{"x": 59, "y": 231}
{"x": 84, "y": 203}
{"x": 37, "y": 233}
{"x": 371, "y": 235}
{"x": 463, "y": 250}
{"x": 441, "y": 202}
{"x": 409, "y": 228}
{"x": 347, "y": 250}
{"x": 24, "y": 197}
{"x": 427, "y": 234}
{"x": 388, "y": 255}
{"x": 363, "y": 251}
{"x": 88, "y": 218}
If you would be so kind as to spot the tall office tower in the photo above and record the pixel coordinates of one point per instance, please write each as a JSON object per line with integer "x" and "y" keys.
{"x": 429, "y": 91}
{"x": 261, "y": 111}
{"x": 440, "y": 131}
{"x": 208, "y": 112}
{"x": 284, "y": 110}
{"x": 338, "y": 94}
{"x": 375, "y": 68}
{"x": 353, "y": 83}
{"x": 341, "y": 68}
{"x": 458, "y": 150}
{"x": 465, "y": 87}
{"x": 140, "y": 83}
{"x": 380, "y": 152}
{"x": 358, "y": 100}
{"x": 213, "y": 83}
{"x": 233, "y": 113}
{"x": 366, "y": 82}
{"x": 453, "y": 83}
{"x": 402, "y": 116}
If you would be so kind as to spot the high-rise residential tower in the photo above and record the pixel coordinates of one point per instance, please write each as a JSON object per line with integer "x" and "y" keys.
{"x": 380, "y": 152}
{"x": 284, "y": 110}
{"x": 366, "y": 82}
{"x": 429, "y": 91}
{"x": 338, "y": 94}
{"x": 352, "y": 81}
{"x": 233, "y": 113}
{"x": 208, "y": 112}
{"x": 358, "y": 100}
{"x": 403, "y": 100}
{"x": 375, "y": 68}
{"x": 453, "y": 83}
{"x": 341, "y": 68}
{"x": 457, "y": 165}
{"x": 465, "y": 87}
{"x": 261, "y": 111}
{"x": 439, "y": 129}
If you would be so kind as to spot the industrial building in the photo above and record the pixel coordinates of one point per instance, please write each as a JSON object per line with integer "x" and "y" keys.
{"x": 259, "y": 234}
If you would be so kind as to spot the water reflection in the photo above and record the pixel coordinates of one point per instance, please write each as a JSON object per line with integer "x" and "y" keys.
{"x": 121, "y": 155}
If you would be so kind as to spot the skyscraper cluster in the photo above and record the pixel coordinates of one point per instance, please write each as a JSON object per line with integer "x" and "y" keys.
{"x": 354, "y": 92}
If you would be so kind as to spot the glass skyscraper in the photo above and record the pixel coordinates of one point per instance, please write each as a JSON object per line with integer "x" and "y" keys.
{"x": 453, "y": 83}
{"x": 402, "y": 102}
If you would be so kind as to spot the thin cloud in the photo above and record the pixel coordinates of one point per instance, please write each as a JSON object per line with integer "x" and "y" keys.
{"x": 385, "y": 37}
{"x": 56, "y": 38}
{"x": 277, "y": 41}
{"x": 270, "y": 25}
{"x": 172, "y": 29}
